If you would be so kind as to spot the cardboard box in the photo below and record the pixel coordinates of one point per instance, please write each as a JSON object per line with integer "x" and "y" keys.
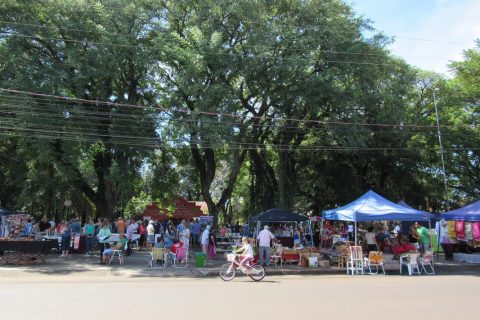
{"x": 312, "y": 261}
{"x": 324, "y": 263}
{"x": 304, "y": 261}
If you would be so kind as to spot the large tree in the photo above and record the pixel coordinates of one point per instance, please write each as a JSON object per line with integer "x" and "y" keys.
{"x": 96, "y": 51}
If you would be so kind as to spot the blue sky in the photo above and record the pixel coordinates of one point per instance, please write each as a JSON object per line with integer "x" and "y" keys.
{"x": 428, "y": 33}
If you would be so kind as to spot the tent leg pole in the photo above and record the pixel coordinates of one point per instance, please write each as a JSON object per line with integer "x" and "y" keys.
{"x": 430, "y": 233}
{"x": 321, "y": 234}
{"x": 356, "y": 242}
{"x": 431, "y": 239}
{"x": 311, "y": 236}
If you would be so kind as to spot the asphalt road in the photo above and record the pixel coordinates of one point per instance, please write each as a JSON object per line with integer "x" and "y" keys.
{"x": 277, "y": 297}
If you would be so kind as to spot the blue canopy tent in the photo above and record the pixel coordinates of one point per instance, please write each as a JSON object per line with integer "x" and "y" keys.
{"x": 469, "y": 213}
{"x": 276, "y": 215}
{"x": 373, "y": 207}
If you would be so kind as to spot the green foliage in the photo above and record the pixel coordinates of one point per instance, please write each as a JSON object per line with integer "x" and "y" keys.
{"x": 263, "y": 104}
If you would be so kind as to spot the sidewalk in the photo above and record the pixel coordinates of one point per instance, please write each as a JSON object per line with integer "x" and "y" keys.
{"x": 136, "y": 266}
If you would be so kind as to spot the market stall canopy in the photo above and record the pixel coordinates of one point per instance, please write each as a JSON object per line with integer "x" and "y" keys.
{"x": 404, "y": 204}
{"x": 255, "y": 216}
{"x": 4, "y": 212}
{"x": 278, "y": 215}
{"x": 468, "y": 213}
{"x": 373, "y": 207}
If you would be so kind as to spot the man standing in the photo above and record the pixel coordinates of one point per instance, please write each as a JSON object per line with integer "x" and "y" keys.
{"x": 195, "y": 230}
{"x": 181, "y": 226}
{"x": 151, "y": 232}
{"x": 76, "y": 226}
{"x": 424, "y": 240}
{"x": 264, "y": 238}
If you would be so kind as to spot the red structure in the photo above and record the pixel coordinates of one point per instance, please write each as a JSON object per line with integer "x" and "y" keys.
{"x": 187, "y": 209}
{"x": 154, "y": 212}
{"x": 184, "y": 209}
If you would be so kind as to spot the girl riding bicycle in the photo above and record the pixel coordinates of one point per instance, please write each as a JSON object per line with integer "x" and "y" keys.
{"x": 246, "y": 252}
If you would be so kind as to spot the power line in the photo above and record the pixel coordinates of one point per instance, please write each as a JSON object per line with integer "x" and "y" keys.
{"x": 230, "y": 115}
{"x": 76, "y": 116}
{"x": 106, "y": 133}
{"x": 76, "y": 112}
{"x": 228, "y": 145}
{"x": 85, "y": 123}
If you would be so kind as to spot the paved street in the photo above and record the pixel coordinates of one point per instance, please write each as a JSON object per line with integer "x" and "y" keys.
{"x": 77, "y": 296}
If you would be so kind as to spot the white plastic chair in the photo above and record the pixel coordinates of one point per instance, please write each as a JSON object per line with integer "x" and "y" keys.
{"x": 375, "y": 259}
{"x": 355, "y": 263}
{"x": 276, "y": 257}
{"x": 119, "y": 253}
{"x": 427, "y": 260}
{"x": 411, "y": 261}
{"x": 158, "y": 254}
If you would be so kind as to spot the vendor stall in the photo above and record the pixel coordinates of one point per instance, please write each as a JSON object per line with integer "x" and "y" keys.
{"x": 279, "y": 216}
{"x": 464, "y": 226}
{"x": 373, "y": 207}
{"x": 282, "y": 225}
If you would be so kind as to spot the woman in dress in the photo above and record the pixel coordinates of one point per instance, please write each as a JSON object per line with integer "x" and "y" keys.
{"x": 185, "y": 236}
{"x": 212, "y": 245}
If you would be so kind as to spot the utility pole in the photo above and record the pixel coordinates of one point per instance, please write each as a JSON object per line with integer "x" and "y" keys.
{"x": 445, "y": 181}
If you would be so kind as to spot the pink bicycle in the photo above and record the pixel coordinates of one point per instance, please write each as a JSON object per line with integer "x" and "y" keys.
{"x": 227, "y": 271}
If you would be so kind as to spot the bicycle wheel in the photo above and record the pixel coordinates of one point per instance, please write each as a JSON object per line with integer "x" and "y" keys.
{"x": 227, "y": 272}
{"x": 257, "y": 272}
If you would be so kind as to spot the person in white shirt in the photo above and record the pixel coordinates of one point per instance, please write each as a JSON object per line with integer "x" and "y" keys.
{"x": 397, "y": 229}
{"x": 205, "y": 239}
{"x": 351, "y": 232}
{"x": 134, "y": 226}
{"x": 264, "y": 238}
{"x": 150, "y": 232}
{"x": 371, "y": 238}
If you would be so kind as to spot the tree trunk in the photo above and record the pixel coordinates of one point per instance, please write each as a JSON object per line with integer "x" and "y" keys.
{"x": 287, "y": 179}
{"x": 104, "y": 200}
{"x": 206, "y": 166}
{"x": 49, "y": 197}
{"x": 264, "y": 185}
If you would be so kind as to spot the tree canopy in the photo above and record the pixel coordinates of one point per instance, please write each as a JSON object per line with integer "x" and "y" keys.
{"x": 245, "y": 105}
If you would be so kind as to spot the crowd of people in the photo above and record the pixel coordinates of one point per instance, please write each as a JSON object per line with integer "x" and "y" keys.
{"x": 147, "y": 233}
{"x": 382, "y": 236}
